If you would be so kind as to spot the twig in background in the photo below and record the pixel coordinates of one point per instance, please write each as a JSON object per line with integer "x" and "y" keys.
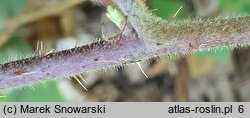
{"x": 12, "y": 25}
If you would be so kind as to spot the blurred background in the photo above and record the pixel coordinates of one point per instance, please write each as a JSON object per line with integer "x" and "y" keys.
{"x": 220, "y": 74}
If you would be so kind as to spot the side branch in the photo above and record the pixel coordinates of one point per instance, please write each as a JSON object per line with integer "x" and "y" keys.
{"x": 155, "y": 30}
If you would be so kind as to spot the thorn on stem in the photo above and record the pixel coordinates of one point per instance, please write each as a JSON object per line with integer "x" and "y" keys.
{"x": 17, "y": 73}
{"x": 77, "y": 79}
{"x": 119, "y": 35}
{"x": 39, "y": 47}
{"x": 46, "y": 54}
{"x": 139, "y": 65}
{"x": 176, "y": 13}
{"x": 81, "y": 77}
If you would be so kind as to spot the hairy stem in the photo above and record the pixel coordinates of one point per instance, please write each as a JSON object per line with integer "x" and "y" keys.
{"x": 155, "y": 30}
{"x": 127, "y": 49}
{"x": 131, "y": 47}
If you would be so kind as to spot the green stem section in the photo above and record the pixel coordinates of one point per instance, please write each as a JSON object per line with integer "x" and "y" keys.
{"x": 155, "y": 30}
